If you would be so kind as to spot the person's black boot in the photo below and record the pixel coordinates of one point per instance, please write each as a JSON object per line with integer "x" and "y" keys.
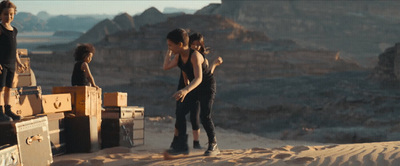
{"x": 196, "y": 145}
{"x": 10, "y": 113}
{"x": 180, "y": 147}
{"x": 173, "y": 142}
{"x": 212, "y": 150}
{"x": 4, "y": 117}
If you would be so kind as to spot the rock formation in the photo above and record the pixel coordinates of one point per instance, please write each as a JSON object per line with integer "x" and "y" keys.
{"x": 388, "y": 67}
{"x": 357, "y": 29}
{"x": 148, "y": 17}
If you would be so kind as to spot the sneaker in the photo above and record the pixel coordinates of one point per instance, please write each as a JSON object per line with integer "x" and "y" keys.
{"x": 212, "y": 150}
{"x": 196, "y": 145}
{"x": 4, "y": 117}
{"x": 173, "y": 142}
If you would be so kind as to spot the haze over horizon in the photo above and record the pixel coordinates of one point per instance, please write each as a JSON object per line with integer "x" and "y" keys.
{"x": 76, "y": 7}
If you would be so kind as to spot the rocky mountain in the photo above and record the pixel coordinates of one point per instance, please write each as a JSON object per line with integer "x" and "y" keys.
{"x": 44, "y": 15}
{"x": 268, "y": 85}
{"x": 149, "y": 16}
{"x": 64, "y": 22}
{"x": 169, "y": 10}
{"x": 360, "y": 30}
{"x": 28, "y": 22}
{"x": 388, "y": 67}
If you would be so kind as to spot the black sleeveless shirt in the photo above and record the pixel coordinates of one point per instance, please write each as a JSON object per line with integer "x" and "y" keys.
{"x": 208, "y": 82}
{"x": 78, "y": 76}
{"x": 8, "y": 45}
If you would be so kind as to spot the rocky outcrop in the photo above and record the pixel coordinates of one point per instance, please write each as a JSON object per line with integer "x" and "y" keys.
{"x": 28, "y": 22}
{"x": 388, "y": 67}
{"x": 107, "y": 27}
{"x": 125, "y": 21}
{"x": 148, "y": 17}
{"x": 357, "y": 29}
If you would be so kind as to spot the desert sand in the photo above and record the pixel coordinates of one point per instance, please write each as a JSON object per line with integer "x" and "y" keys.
{"x": 237, "y": 149}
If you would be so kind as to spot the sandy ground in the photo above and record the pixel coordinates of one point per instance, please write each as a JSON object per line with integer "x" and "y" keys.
{"x": 237, "y": 149}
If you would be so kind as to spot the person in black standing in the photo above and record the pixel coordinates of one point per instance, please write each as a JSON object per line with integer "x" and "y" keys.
{"x": 81, "y": 75}
{"x": 202, "y": 86}
{"x": 196, "y": 42}
{"x": 8, "y": 57}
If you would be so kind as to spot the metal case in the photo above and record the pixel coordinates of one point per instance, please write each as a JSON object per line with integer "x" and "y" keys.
{"x": 57, "y": 133}
{"x": 9, "y": 155}
{"x": 118, "y": 112}
{"x": 32, "y": 138}
{"x": 117, "y": 132}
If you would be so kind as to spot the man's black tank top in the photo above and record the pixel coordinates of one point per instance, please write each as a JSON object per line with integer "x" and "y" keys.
{"x": 8, "y": 45}
{"x": 78, "y": 76}
{"x": 208, "y": 81}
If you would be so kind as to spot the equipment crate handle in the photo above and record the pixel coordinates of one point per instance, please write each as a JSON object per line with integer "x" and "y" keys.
{"x": 31, "y": 139}
{"x": 57, "y": 104}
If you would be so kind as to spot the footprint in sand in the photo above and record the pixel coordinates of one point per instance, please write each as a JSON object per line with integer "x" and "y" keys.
{"x": 260, "y": 150}
{"x": 96, "y": 162}
{"x": 282, "y": 156}
{"x": 67, "y": 162}
{"x": 114, "y": 156}
{"x": 300, "y": 160}
{"x": 328, "y": 147}
{"x": 299, "y": 149}
{"x": 250, "y": 159}
{"x": 211, "y": 159}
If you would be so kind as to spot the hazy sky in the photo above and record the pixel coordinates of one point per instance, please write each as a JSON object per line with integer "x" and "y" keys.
{"x": 57, "y": 7}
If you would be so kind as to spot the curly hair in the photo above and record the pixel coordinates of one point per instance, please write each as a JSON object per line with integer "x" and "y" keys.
{"x": 83, "y": 50}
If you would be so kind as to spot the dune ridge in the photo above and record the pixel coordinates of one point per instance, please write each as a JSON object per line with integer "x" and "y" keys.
{"x": 238, "y": 149}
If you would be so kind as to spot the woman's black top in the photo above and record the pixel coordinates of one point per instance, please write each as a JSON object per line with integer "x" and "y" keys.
{"x": 78, "y": 76}
{"x": 208, "y": 82}
{"x": 8, "y": 45}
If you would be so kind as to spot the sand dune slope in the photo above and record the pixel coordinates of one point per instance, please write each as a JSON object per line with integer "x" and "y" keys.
{"x": 240, "y": 149}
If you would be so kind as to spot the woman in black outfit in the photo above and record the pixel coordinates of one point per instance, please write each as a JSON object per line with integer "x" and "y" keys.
{"x": 202, "y": 88}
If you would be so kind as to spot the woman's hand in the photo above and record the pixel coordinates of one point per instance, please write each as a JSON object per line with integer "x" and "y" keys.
{"x": 169, "y": 54}
{"x": 218, "y": 61}
{"x": 181, "y": 94}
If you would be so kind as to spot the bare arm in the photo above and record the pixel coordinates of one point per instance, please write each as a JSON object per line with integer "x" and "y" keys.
{"x": 20, "y": 65}
{"x": 185, "y": 79}
{"x": 85, "y": 68}
{"x": 196, "y": 60}
{"x": 168, "y": 62}
{"x": 216, "y": 63}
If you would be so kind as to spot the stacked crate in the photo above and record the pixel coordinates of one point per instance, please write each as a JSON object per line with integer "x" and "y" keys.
{"x": 39, "y": 135}
{"x": 32, "y": 140}
{"x": 122, "y": 125}
{"x": 82, "y": 124}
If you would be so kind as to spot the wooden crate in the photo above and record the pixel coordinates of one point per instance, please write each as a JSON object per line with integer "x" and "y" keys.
{"x": 26, "y": 101}
{"x": 81, "y": 134}
{"x": 56, "y": 103}
{"x": 85, "y": 100}
{"x": 115, "y": 99}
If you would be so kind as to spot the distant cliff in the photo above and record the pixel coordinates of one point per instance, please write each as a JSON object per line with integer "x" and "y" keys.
{"x": 358, "y": 29}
